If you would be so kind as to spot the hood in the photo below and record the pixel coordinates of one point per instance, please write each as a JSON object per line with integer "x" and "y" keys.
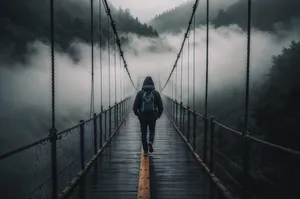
{"x": 148, "y": 84}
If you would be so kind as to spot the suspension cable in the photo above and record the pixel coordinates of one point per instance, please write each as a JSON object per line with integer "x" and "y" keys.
{"x": 53, "y": 131}
{"x": 52, "y": 64}
{"x": 245, "y": 132}
{"x": 188, "y": 72}
{"x": 120, "y": 74}
{"x": 248, "y": 67}
{"x": 100, "y": 48}
{"x": 176, "y": 77}
{"x": 194, "y": 62}
{"x": 124, "y": 82}
{"x": 108, "y": 49}
{"x": 124, "y": 86}
{"x": 207, "y": 53}
{"x": 115, "y": 66}
{"x": 92, "y": 59}
{"x": 181, "y": 77}
{"x": 172, "y": 87}
{"x": 113, "y": 25}
{"x": 173, "y": 83}
{"x": 183, "y": 42}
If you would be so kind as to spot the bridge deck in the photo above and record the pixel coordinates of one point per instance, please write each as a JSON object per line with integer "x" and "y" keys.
{"x": 174, "y": 173}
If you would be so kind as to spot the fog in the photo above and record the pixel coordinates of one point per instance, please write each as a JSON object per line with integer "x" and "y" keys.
{"x": 227, "y": 69}
{"x": 26, "y": 89}
{"x": 26, "y": 92}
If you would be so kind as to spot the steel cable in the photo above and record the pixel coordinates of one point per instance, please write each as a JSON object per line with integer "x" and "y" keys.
{"x": 113, "y": 25}
{"x": 183, "y": 42}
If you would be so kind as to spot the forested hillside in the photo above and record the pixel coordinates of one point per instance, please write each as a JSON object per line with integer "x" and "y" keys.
{"x": 277, "y": 113}
{"x": 266, "y": 15}
{"x": 26, "y": 21}
{"x": 174, "y": 19}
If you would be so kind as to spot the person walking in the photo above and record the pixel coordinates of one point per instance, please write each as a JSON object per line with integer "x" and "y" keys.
{"x": 148, "y": 107}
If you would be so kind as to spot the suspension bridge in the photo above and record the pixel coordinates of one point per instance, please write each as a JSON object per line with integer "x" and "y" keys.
{"x": 101, "y": 157}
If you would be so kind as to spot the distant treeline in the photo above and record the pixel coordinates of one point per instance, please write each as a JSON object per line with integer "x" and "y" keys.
{"x": 25, "y": 21}
{"x": 266, "y": 15}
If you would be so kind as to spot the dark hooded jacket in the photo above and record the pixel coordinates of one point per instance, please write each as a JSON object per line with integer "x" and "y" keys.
{"x": 148, "y": 85}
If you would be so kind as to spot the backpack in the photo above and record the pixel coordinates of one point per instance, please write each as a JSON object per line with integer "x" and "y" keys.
{"x": 148, "y": 102}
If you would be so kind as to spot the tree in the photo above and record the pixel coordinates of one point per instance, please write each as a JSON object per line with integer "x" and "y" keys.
{"x": 278, "y": 109}
{"x": 28, "y": 20}
{"x": 278, "y": 11}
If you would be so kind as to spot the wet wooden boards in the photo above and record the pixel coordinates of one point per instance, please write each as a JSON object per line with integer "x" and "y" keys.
{"x": 170, "y": 172}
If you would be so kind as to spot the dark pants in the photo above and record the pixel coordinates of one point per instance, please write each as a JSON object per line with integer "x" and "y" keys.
{"x": 144, "y": 130}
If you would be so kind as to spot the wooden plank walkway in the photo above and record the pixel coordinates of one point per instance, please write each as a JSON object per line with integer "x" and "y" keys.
{"x": 173, "y": 169}
{"x": 116, "y": 174}
{"x": 174, "y": 173}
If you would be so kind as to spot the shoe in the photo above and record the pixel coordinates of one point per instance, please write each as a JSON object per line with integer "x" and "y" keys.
{"x": 150, "y": 147}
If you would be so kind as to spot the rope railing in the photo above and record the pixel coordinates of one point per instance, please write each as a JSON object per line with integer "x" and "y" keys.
{"x": 182, "y": 124}
{"x": 98, "y": 139}
{"x": 45, "y": 139}
{"x": 240, "y": 133}
{"x": 113, "y": 25}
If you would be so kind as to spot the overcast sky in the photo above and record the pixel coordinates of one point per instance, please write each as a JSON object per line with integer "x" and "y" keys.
{"x": 145, "y": 9}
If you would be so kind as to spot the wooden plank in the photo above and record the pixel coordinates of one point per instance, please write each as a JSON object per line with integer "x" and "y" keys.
{"x": 173, "y": 169}
{"x": 122, "y": 171}
{"x": 116, "y": 173}
{"x": 144, "y": 178}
